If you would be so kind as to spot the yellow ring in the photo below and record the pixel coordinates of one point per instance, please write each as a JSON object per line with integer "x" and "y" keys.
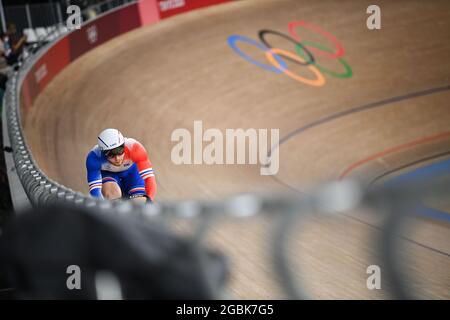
{"x": 318, "y": 82}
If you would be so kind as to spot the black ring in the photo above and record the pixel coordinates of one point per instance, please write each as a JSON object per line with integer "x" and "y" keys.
{"x": 263, "y": 32}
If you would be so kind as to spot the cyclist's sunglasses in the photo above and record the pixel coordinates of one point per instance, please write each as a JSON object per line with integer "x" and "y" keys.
{"x": 114, "y": 152}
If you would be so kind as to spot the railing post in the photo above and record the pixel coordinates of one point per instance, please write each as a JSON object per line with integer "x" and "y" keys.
{"x": 27, "y": 9}
{"x": 58, "y": 11}
{"x": 2, "y": 16}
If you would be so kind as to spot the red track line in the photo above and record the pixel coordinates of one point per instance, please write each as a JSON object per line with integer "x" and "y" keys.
{"x": 407, "y": 145}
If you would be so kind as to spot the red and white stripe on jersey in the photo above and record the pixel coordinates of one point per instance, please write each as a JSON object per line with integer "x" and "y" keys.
{"x": 147, "y": 173}
{"x": 137, "y": 190}
{"x": 109, "y": 179}
{"x": 96, "y": 184}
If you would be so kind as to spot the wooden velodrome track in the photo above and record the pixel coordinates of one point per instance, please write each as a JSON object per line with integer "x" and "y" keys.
{"x": 163, "y": 77}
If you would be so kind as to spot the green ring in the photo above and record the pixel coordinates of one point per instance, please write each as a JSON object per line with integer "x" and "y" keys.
{"x": 348, "y": 70}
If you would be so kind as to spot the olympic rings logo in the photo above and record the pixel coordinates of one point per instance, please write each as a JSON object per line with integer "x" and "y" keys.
{"x": 303, "y": 55}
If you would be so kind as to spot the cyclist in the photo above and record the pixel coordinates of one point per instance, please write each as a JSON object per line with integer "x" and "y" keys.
{"x": 119, "y": 167}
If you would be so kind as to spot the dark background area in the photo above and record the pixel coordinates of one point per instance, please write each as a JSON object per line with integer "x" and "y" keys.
{"x": 42, "y": 13}
{"x": 5, "y": 196}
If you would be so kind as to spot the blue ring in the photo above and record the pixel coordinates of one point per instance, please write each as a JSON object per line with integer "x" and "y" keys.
{"x": 232, "y": 43}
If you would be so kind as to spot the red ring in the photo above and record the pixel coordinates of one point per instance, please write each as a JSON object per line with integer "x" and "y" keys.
{"x": 340, "y": 49}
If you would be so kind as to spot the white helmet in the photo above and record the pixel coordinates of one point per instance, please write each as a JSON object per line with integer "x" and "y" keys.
{"x": 110, "y": 139}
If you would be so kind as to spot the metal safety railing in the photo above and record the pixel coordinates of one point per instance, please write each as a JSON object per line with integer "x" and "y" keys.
{"x": 288, "y": 209}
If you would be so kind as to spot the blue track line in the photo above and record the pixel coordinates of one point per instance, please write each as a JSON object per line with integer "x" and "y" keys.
{"x": 425, "y": 174}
